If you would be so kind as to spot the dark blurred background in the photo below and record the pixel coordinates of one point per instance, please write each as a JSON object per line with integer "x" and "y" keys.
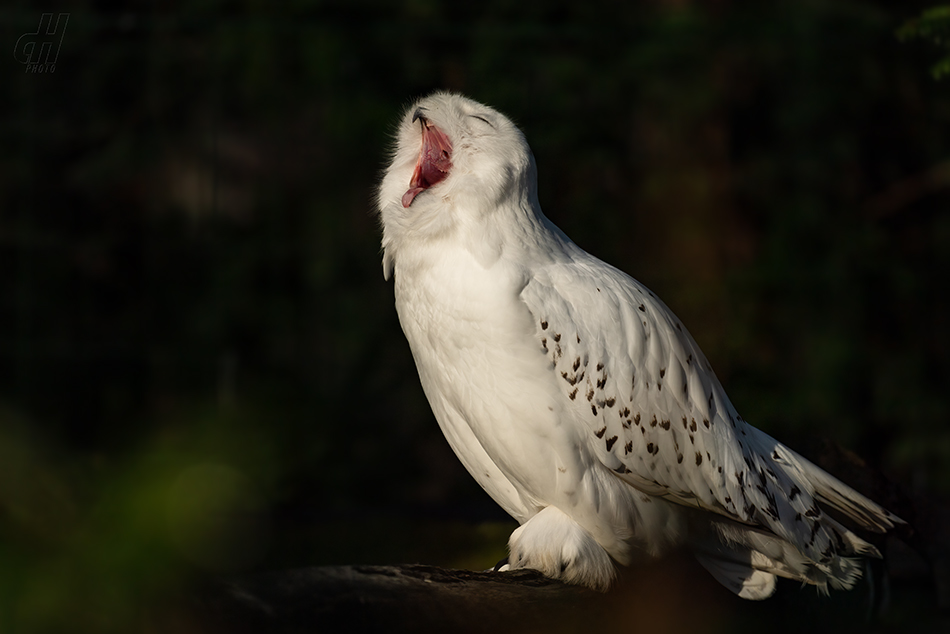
{"x": 201, "y": 369}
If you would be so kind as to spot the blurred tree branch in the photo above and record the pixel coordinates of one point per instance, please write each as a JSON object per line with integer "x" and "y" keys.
{"x": 404, "y": 598}
{"x": 909, "y": 190}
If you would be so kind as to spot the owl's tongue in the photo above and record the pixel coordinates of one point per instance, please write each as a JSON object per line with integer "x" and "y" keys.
{"x": 434, "y": 162}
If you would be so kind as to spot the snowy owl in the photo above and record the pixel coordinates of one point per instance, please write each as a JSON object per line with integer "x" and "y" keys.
{"x": 573, "y": 395}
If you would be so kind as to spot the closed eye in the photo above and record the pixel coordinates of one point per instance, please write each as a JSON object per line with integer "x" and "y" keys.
{"x": 475, "y": 116}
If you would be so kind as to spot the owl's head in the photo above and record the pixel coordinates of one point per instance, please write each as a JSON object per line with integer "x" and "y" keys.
{"x": 447, "y": 145}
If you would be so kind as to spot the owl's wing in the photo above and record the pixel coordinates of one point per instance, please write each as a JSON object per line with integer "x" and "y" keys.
{"x": 655, "y": 413}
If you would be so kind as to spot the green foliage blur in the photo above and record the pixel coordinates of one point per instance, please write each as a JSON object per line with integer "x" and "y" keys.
{"x": 202, "y": 372}
{"x": 932, "y": 25}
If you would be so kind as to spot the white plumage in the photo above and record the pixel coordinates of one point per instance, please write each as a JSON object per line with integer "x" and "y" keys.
{"x": 573, "y": 395}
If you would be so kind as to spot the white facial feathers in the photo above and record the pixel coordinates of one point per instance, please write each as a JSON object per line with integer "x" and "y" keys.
{"x": 454, "y": 162}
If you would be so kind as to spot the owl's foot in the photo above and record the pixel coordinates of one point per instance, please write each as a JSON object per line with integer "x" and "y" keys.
{"x": 560, "y": 548}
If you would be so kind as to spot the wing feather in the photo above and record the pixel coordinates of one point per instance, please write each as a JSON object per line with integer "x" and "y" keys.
{"x": 658, "y": 417}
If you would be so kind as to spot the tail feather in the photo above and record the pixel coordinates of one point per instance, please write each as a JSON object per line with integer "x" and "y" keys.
{"x": 744, "y": 558}
{"x": 739, "y": 577}
{"x": 817, "y": 549}
{"x": 838, "y": 495}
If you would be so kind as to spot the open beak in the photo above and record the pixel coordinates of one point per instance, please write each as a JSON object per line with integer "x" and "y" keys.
{"x": 435, "y": 159}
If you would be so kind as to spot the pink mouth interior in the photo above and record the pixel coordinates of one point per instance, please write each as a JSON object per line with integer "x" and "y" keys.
{"x": 435, "y": 160}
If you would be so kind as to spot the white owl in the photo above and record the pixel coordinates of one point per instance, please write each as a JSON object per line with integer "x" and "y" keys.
{"x": 573, "y": 395}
